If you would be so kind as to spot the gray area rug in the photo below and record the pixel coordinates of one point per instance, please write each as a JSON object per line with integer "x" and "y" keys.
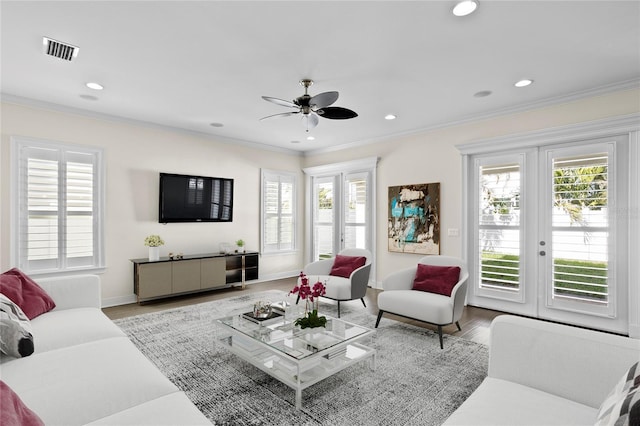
{"x": 415, "y": 382}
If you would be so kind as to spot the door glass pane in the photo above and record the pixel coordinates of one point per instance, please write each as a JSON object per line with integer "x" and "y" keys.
{"x": 499, "y": 227}
{"x": 580, "y": 228}
{"x": 323, "y": 228}
{"x": 355, "y": 212}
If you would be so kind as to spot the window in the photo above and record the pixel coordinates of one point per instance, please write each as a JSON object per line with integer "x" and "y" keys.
{"x": 278, "y": 211}
{"x": 58, "y": 214}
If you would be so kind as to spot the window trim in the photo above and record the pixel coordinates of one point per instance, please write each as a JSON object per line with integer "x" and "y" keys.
{"x": 265, "y": 174}
{"x": 18, "y": 144}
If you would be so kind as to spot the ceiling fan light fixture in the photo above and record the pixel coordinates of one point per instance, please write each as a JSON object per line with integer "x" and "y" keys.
{"x": 465, "y": 7}
{"x": 523, "y": 83}
{"x": 94, "y": 86}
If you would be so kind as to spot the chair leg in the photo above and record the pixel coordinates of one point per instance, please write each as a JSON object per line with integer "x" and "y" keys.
{"x": 362, "y": 298}
{"x": 380, "y": 312}
{"x": 458, "y": 325}
{"x": 440, "y": 334}
{"x": 338, "y": 309}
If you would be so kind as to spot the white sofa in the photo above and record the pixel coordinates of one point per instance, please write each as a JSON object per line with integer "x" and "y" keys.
{"x": 86, "y": 371}
{"x": 542, "y": 373}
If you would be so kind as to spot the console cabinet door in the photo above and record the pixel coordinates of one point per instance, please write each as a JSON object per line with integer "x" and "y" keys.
{"x": 154, "y": 279}
{"x": 213, "y": 273}
{"x": 186, "y": 275}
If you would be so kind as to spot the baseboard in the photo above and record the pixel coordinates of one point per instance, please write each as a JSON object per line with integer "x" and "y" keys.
{"x": 120, "y": 300}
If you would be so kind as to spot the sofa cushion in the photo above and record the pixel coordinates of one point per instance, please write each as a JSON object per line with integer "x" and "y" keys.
{"x": 172, "y": 409}
{"x": 343, "y": 266}
{"x": 337, "y": 288}
{"x": 16, "y": 334}
{"x": 59, "y": 329}
{"x": 622, "y": 406}
{"x": 436, "y": 279}
{"x": 499, "y": 402}
{"x": 86, "y": 382}
{"x": 14, "y": 412}
{"x": 31, "y": 298}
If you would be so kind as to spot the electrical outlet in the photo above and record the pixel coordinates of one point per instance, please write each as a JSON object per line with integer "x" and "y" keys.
{"x": 453, "y": 232}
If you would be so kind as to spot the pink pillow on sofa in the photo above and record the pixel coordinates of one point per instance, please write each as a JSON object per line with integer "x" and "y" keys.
{"x": 24, "y": 292}
{"x": 14, "y": 412}
{"x": 343, "y": 266}
{"x": 436, "y": 279}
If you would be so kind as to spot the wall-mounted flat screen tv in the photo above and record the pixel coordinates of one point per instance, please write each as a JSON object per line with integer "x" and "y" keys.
{"x": 186, "y": 198}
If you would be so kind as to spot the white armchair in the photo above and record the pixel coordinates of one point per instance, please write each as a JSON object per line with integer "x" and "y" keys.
{"x": 400, "y": 299}
{"x": 339, "y": 288}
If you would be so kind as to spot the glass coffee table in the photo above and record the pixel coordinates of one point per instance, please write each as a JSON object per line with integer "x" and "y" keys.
{"x": 296, "y": 357}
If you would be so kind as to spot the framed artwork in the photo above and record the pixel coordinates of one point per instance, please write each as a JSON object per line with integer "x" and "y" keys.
{"x": 414, "y": 218}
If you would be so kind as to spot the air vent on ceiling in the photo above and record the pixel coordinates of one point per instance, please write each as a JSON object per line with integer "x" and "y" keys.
{"x": 59, "y": 49}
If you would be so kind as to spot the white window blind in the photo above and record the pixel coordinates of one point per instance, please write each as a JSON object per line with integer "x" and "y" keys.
{"x": 59, "y": 208}
{"x": 278, "y": 211}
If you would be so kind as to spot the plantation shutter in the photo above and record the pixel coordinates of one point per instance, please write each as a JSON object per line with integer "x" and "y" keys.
{"x": 582, "y": 197}
{"x": 278, "y": 207}
{"x": 499, "y": 227}
{"x": 58, "y": 207}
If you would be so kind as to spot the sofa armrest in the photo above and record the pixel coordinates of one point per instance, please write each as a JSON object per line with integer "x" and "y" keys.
{"x": 319, "y": 267}
{"x": 399, "y": 280}
{"x": 74, "y": 291}
{"x": 577, "y": 364}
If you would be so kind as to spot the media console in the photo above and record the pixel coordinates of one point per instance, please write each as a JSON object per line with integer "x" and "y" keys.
{"x": 191, "y": 274}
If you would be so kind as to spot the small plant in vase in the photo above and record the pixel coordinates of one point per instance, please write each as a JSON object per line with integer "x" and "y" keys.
{"x": 153, "y": 242}
{"x": 311, "y": 296}
{"x": 240, "y": 244}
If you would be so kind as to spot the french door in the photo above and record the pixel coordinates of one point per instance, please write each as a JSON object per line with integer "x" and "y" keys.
{"x": 340, "y": 202}
{"x": 341, "y": 209}
{"x": 546, "y": 238}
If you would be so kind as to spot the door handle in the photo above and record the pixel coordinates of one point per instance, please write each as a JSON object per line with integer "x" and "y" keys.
{"x": 542, "y": 253}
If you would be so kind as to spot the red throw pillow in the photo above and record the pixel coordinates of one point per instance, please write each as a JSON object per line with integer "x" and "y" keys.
{"x": 14, "y": 412}
{"x": 24, "y": 292}
{"x": 436, "y": 279}
{"x": 343, "y": 266}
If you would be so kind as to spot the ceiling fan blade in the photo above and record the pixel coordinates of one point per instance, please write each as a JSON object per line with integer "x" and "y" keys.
{"x": 325, "y": 99}
{"x": 310, "y": 120}
{"x": 283, "y": 114}
{"x": 280, "y": 102}
{"x": 336, "y": 113}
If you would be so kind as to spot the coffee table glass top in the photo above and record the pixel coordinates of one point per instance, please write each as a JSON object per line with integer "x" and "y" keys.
{"x": 281, "y": 334}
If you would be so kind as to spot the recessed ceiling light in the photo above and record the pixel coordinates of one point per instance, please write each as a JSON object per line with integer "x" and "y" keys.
{"x": 390, "y": 117}
{"x": 310, "y": 138}
{"x": 95, "y": 86}
{"x": 465, "y": 7}
{"x": 216, "y": 125}
{"x": 482, "y": 94}
{"x": 523, "y": 83}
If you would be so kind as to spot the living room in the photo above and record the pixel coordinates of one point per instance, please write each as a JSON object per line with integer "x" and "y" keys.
{"x": 136, "y": 150}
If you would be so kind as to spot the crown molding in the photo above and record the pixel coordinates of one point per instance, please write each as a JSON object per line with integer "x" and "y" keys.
{"x": 572, "y": 132}
{"x": 544, "y": 103}
{"x": 19, "y": 100}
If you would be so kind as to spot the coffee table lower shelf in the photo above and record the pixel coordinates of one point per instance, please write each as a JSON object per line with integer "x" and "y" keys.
{"x": 297, "y": 374}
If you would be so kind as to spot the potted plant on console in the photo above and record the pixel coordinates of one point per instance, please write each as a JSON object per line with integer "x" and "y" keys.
{"x": 154, "y": 242}
{"x": 240, "y": 244}
{"x": 311, "y": 296}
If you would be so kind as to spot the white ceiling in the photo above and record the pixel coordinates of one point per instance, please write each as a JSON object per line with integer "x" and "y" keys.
{"x": 186, "y": 64}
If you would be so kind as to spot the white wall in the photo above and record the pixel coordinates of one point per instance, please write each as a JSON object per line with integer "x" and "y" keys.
{"x": 135, "y": 154}
{"x": 431, "y": 156}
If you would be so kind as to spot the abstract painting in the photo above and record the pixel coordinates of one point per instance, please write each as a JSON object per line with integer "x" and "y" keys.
{"x": 414, "y": 218}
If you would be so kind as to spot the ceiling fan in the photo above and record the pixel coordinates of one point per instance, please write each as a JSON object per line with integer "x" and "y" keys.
{"x": 312, "y": 107}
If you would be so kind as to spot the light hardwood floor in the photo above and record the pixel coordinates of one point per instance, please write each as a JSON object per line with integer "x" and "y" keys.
{"x": 474, "y": 322}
